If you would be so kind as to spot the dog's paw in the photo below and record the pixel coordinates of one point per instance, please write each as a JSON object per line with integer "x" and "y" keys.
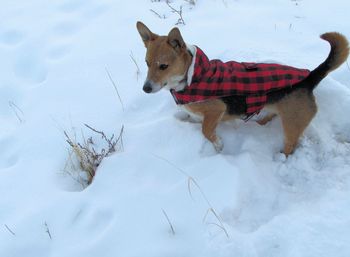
{"x": 218, "y": 145}
{"x": 182, "y": 116}
{"x": 266, "y": 119}
{"x": 280, "y": 157}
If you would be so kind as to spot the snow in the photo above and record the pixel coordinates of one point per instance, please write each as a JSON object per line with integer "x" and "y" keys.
{"x": 247, "y": 201}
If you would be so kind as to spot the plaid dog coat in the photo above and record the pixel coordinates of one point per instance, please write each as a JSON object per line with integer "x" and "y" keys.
{"x": 214, "y": 79}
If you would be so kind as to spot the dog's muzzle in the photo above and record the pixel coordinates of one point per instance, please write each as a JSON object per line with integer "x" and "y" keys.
{"x": 151, "y": 87}
{"x": 147, "y": 87}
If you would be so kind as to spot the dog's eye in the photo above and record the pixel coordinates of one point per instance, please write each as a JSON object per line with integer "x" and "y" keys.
{"x": 163, "y": 66}
{"x": 147, "y": 63}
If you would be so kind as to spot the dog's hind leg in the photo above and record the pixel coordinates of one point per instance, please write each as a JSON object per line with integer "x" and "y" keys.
{"x": 296, "y": 112}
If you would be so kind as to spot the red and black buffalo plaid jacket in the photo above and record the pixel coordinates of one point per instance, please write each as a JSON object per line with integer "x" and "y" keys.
{"x": 215, "y": 79}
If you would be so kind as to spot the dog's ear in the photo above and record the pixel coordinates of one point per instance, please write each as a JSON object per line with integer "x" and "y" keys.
{"x": 175, "y": 39}
{"x": 145, "y": 33}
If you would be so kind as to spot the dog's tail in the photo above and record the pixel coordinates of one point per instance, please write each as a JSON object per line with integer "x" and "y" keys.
{"x": 337, "y": 56}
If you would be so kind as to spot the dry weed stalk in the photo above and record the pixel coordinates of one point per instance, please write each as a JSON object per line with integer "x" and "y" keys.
{"x": 18, "y": 112}
{"x": 48, "y": 230}
{"x": 9, "y": 230}
{"x": 179, "y": 12}
{"x": 115, "y": 87}
{"x": 158, "y": 15}
{"x": 220, "y": 225}
{"x": 70, "y": 168}
{"x": 191, "y": 2}
{"x": 138, "y": 71}
{"x": 181, "y": 20}
{"x": 88, "y": 157}
{"x": 170, "y": 224}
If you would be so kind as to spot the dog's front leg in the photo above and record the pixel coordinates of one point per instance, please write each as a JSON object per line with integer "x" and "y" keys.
{"x": 211, "y": 112}
{"x": 210, "y": 122}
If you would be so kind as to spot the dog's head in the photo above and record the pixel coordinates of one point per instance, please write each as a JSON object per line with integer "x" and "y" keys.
{"x": 167, "y": 59}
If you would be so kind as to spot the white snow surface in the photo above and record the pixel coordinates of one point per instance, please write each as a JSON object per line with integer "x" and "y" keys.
{"x": 246, "y": 201}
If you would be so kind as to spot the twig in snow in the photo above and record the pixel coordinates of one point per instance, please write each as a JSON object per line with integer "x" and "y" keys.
{"x": 191, "y": 2}
{"x": 48, "y": 230}
{"x": 138, "y": 71}
{"x": 18, "y": 112}
{"x": 157, "y": 14}
{"x": 115, "y": 87}
{"x": 178, "y": 12}
{"x": 111, "y": 144}
{"x": 171, "y": 225}
{"x": 13, "y": 233}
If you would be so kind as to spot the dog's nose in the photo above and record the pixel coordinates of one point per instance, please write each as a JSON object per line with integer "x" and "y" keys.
{"x": 147, "y": 87}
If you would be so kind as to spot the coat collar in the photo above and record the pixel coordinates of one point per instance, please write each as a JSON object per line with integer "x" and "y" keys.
{"x": 199, "y": 65}
{"x": 193, "y": 50}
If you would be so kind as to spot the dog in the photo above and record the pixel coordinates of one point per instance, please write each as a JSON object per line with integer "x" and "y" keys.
{"x": 217, "y": 91}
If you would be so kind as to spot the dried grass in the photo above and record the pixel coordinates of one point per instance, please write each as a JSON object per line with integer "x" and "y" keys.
{"x": 88, "y": 156}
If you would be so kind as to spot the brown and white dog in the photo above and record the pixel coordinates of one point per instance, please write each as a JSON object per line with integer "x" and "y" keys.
{"x": 171, "y": 63}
